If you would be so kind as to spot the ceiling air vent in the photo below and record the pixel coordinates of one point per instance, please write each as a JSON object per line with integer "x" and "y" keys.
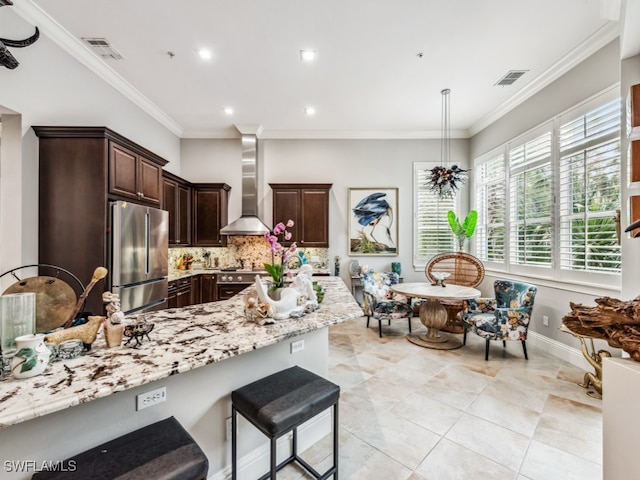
{"x": 103, "y": 48}
{"x": 511, "y": 77}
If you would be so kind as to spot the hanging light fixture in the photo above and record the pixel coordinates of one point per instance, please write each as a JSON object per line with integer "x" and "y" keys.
{"x": 445, "y": 180}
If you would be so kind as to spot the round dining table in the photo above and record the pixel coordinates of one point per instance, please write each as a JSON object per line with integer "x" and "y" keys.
{"x": 433, "y": 315}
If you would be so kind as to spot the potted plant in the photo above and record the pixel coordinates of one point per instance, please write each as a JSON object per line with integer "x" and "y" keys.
{"x": 463, "y": 230}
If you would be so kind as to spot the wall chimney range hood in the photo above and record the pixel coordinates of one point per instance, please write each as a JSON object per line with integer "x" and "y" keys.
{"x": 248, "y": 223}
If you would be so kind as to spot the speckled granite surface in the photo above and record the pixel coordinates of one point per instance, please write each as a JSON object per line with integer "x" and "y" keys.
{"x": 182, "y": 339}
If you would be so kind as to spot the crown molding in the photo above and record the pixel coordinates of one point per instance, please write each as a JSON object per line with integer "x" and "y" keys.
{"x": 331, "y": 134}
{"x": 74, "y": 47}
{"x": 591, "y": 45}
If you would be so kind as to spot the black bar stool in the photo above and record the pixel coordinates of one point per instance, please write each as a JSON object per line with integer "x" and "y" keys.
{"x": 277, "y": 405}
{"x": 161, "y": 450}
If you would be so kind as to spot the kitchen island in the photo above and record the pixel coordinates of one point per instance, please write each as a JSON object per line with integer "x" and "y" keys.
{"x": 80, "y": 403}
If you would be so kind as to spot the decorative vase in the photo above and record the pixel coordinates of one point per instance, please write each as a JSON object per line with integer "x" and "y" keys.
{"x": 32, "y": 356}
{"x": 275, "y": 294}
{"x": 113, "y": 334}
{"x": 17, "y": 318}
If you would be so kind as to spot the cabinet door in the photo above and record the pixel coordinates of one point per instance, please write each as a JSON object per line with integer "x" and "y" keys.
{"x": 149, "y": 181}
{"x": 208, "y": 288}
{"x": 286, "y": 205}
{"x": 196, "y": 289}
{"x": 123, "y": 171}
{"x": 314, "y": 218}
{"x": 169, "y": 203}
{"x": 209, "y": 216}
{"x": 184, "y": 215}
{"x": 172, "y": 299}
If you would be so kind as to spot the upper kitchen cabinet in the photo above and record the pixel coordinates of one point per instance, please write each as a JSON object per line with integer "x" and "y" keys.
{"x": 133, "y": 176}
{"x": 307, "y": 204}
{"x": 176, "y": 199}
{"x": 209, "y": 205}
{"x": 74, "y": 195}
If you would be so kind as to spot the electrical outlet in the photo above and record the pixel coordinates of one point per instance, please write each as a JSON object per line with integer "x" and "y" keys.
{"x": 545, "y": 320}
{"x": 228, "y": 428}
{"x": 297, "y": 346}
{"x": 151, "y": 398}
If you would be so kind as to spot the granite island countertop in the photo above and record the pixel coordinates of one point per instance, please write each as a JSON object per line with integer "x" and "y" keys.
{"x": 182, "y": 339}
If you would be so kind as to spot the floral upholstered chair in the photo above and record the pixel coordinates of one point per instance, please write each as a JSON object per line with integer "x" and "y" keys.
{"x": 505, "y": 317}
{"x": 380, "y": 302}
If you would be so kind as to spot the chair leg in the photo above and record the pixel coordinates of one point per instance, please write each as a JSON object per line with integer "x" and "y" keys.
{"x": 368, "y": 321}
{"x": 389, "y": 322}
{"x": 409, "y": 324}
{"x": 464, "y": 335}
{"x": 486, "y": 351}
{"x": 380, "y": 328}
{"x": 504, "y": 343}
{"x": 234, "y": 448}
{"x": 524, "y": 349}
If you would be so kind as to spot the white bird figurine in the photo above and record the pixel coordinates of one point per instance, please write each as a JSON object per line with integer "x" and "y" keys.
{"x": 288, "y": 300}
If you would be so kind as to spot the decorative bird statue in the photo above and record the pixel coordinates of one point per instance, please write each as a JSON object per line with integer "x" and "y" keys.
{"x": 371, "y": 209}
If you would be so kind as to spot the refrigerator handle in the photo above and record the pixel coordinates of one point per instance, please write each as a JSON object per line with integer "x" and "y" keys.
{"x": 147, "y": 234}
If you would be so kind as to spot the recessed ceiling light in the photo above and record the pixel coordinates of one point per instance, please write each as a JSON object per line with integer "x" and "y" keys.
{"x": 228, "y": 110}
{"x": 310, "y": 111}
{"x": 205, "y": 54}
{"x": 308, "y": 55}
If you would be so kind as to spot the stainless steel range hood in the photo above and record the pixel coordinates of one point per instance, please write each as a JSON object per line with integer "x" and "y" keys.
{"x": 248, "y": 223}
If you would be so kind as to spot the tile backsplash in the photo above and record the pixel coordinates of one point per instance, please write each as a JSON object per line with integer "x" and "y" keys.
{"x": 249, "y": 252}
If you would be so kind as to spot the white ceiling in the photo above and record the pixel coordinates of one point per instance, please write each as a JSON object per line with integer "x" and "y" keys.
{"x": 368, "y": 81}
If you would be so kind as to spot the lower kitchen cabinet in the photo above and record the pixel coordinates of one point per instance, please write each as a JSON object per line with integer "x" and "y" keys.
{"x": 179, "y": 293}
{"x": 208, "y": 288}
{"x": 196, "y": 290}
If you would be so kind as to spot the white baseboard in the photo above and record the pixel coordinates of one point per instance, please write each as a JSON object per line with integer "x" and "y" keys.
{"x": 256, "y": 463}
{"x": 563, "y": 352}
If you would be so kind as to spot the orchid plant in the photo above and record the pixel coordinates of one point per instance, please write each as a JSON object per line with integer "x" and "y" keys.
{"x": 279, "y": 234}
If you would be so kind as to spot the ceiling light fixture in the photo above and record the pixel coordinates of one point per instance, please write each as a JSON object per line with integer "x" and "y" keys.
{"x": 308, "y": 55}
{"x": 205, "y": 54}
{"x": 445, "y": 181}
{"x": 310, "y": 111}
{"x": 228, "y": 110}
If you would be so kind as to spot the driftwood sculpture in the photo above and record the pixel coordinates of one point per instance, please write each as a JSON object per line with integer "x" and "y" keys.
{"x": 6, "y": 59}
{"x": 613, "y": 320}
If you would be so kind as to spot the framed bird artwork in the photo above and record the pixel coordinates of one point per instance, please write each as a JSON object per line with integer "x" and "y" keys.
{"x": 373, "y": 221}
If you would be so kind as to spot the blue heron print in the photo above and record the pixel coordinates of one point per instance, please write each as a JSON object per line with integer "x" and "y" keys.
{"x": 374, "y": 211}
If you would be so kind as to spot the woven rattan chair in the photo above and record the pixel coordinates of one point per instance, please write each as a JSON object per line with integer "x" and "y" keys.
{"x": 463, "y": 269}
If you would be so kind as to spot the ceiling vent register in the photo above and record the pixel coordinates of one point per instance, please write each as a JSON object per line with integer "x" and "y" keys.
{"x": 511, "y": 77}
{"x": 103, "y": 48}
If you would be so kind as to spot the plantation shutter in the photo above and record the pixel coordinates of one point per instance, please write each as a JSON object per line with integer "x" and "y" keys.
{"x": 590, "y": 190}
{"x": 432, "y": 232}
{"x": 531, "y": 203}
{"x": 491, "y": 206}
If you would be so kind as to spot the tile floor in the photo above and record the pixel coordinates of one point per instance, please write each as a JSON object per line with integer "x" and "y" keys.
{"x": 408, "y": 412}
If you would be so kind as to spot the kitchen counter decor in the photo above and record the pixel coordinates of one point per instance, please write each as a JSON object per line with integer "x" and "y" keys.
{"x": 275, "y": 239}
{"x": 183, "y": 339}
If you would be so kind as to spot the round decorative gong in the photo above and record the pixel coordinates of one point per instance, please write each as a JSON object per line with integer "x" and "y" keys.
{"x": 55, "y": 300}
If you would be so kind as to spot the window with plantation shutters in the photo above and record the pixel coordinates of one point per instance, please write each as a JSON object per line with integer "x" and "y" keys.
{"x": 589, "y": 189}
{"x": 432, "y": 234}
{"x": 547, "y": 201}
{"x": 491, "y": 207}
{"x": 531, "y": 202}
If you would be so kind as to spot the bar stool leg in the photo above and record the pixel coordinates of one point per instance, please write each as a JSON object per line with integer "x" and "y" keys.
{"x": 336, "y": 434}
{"x": 234, "y": 452}
{"x": 274, "y": 465}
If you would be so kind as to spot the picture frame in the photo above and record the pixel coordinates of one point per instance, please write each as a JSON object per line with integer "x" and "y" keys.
{"x": 373, "y": 221}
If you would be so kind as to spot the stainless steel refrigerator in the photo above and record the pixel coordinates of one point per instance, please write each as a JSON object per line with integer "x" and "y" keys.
{"x": 139, "y": 256}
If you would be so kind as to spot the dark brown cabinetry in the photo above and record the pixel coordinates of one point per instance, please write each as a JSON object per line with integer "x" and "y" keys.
{"x": 176, "y": 199}
{"x": 208, "y": 288}
{"x": 74, "y": 191}
{"x": 307, "y": 204}
{"x": 133, "y": 176}
{"x": 228, "y": 290}
{"x": 209, "y": 206}
{"x": 196, "y": 289}
{"x": 179, "y": 293}
{"x": 633, "y": 112}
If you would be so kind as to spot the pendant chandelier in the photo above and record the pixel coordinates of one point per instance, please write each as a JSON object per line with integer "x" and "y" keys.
{"x": 446, "y": 179}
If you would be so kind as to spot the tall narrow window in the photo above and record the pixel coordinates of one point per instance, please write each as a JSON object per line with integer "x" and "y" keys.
{"x": 432, "y": 232}
{"x": 531, "y": 203}
{"x": 590, "y": 190}
{"x": 491, "y": 204}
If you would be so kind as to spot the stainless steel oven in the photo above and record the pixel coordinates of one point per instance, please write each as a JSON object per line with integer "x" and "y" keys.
{"x": 233, "y": 281}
